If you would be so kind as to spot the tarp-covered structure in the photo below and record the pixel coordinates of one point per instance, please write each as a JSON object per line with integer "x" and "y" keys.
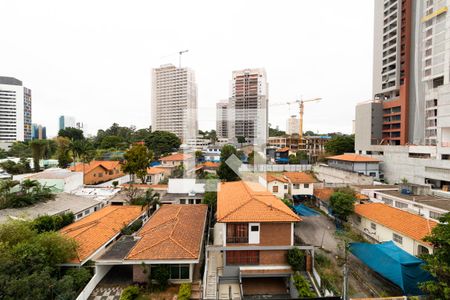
{"x": 305, "y": 211}
{"x": 394, "y": 264}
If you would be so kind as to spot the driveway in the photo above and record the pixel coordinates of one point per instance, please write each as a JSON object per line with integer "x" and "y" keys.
{"x": 318, "y": 231}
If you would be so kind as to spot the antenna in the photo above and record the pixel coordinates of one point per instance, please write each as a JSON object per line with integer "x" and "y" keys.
{"x": 179, "y": 57}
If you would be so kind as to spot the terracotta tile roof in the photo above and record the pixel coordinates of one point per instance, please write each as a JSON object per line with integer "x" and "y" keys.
{"x": 299, "y": 177}
{"x": 250, "y": 202}
{"x": 210, "y": 164}
{"x": 95, "y": 230}
{"x": 353, "y": 158}
{"x": 398, "y": 220}
{"x": 155, "y": 170}
{"x": 174, "y": 232}
{"x": 275, "y": 177}
{"x": 108, "y": 165}
{"x": 323, "y": 194}
{"x": 360, "y": 196}
{"x": 176, "y": 157}
{"x": 146, "y": 186}
{"x": 282, "y": 149}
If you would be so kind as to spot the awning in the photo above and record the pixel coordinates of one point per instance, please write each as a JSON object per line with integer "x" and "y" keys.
{"x": 394, "y": 264}
{"x": 305, "y": 211}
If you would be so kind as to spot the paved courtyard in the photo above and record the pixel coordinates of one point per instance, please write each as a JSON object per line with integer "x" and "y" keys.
{"x": 318, "y": 231}
{"x": 106, "y": 293}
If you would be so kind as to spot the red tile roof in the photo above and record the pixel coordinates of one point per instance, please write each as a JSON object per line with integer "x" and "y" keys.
{"x": 174, "y": 232}
{"x": 282, "y": 149}
{"x": 299, "y": 177}
{"x": 250, "y": 202}
{"x": 210, "y": 164}
{"x": 108, "y": 165}
{"x": 275, "y": 177}
{"x": 95, "y": 230}
{"x": 155, "y": 170}
{"x": 353, "y": 158}
{"x": 176, "y": 157}
{"x": 323, "y": 194}
{"x": 403, "y": 222}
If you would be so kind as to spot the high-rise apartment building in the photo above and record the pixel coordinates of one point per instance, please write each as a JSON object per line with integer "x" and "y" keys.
{"x": 222, "y": 119}
{"x": 38, "y": 132}
{"x": 248, "y": 112}
{"x": 407, "y": 125}
{"x": 174, "y": 101}
{"x": 15, "y": 111}
{"x": 67, "y": 121}
{"x": 292, "y": 125}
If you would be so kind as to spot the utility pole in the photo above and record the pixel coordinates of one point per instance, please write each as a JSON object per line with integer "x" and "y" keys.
{"x": 345, "y": 287}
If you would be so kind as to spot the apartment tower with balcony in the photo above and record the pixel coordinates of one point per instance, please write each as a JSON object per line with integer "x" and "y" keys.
{"x": 174, "y": 101}
{"x": 222, "y": 119}
{"x": 248, "y": 114}
{"x": 15, "y": 112}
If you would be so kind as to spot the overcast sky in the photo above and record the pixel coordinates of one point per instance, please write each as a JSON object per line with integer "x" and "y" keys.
{"x": 93, "y": 59}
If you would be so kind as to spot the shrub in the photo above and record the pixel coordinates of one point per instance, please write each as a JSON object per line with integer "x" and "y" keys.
{"x": 130, "y": 293}
{"x": 52, "y": 223}
{"x": 184, "y": 293}
{"x": 135, "y": 226}
{"x": 302, "y": 286}
{"x": 296, "y": 258}
{"x": 115, "y": 183}
{"x": 161, "y": 274}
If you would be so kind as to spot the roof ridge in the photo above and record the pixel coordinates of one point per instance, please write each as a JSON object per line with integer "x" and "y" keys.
{"x": 238, "y": 207}
{"x": 146, "y": 248}
{"x": 180, "y": 245}
{"x": 273, "y": 207}
{"x": 80, "y": 226}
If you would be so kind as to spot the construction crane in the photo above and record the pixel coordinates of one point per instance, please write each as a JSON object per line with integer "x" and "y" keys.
{"x": 179, "y": 56}
{"x": 301, "y": 103}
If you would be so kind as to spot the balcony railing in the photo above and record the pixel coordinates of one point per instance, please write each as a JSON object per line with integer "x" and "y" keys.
{"x": 237, "y": 240}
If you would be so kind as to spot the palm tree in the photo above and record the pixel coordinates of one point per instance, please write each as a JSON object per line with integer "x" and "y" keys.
{"x": 38, "y": 148}
{"x": 82, "y": 151}
{"x": 27, "y": 185}
{"x": 150, "y": 200}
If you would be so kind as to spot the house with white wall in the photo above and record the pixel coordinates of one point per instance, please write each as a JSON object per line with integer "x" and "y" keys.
{"x": 380, "y": 223}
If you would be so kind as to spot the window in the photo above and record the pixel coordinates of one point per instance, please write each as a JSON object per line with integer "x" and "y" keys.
{"x": 397, "y": 238}
{"x": 435, "y": 215}
{"x": 275, "y": 189}
{"x": 387, "y": 201}
{"x": 86, "y": 212}
{"x": 372, "y": 174}
{"x": 285, "y": 186}
{"x": 237, "y": 233}
{"x": 249, "y": 257}
{"x": 79, "y": 215}
{"x": 176, "y": 271}
{"x": 254, "y": 228}
{"x": 399, "y": 204}
{"x": 296, "y": 186}
{"x": 306, "y": 185}
{"x": 182, "y": 201}
{"x": 373, "y": 226}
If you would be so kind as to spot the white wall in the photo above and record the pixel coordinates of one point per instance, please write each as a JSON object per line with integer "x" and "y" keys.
{"x": 383, "y": 234}
{"x": 281, "y": 188}
{"x": 303, "y": 189}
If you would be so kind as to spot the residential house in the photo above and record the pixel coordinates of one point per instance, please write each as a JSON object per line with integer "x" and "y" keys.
{"x": 282, "y": 155}
{"x": 175, "y": 160}
{"x": 183, "y": 191}
{"x": 155, "y": 175}
{"x": 173, "y": 236}
{"x": 277, "y": 184}
{"x": 380, "y": 223}
{"x": 356, "y": 163}
{"x": 253, "y": 233}
{"x": 301, "y": 184}
{"x": 97, "y": 172}
{"x": 96, "y": 232}
{"x": 59, "y": 180}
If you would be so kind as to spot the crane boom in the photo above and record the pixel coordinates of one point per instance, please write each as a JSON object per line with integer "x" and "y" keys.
{"x": 301, "y": 111}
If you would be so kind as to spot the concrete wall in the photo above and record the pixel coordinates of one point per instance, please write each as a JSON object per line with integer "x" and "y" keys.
{"x": 100, "y": 272}
{"x": 331, "y": 175}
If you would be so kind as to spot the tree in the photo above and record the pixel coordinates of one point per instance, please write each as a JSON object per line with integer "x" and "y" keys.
{"x": 20, "y": 149}
{"x": 296, "y": 259}
{"x": 38, "y": 148}
{"x": 137, "y": 160}
{"x": 275, "y": 131}
{"x": 52, "y": 223}
{"x": 224, "y": 171}
{"x": 342, "y": 205}
{"x": 162, "y": 142}
{"x": 210, "y": 198}
{"x": 199, "y": 156}
{"x": 340, "y": 144}
{"x": 149, "y": 200}
{"x": 255, "y": 157}
{"x": 309, "y": 133}
{"x": 3, "y": 154}
{"x": 438, "y": 263}
{"x": 63, "y": 151}
{"x": 22, "y": 167}
{"x": 302, "y": 287}
{"x": 241, "y": 140}
{"x": 71, "y": 133}
{"x": 113, "y": 141}
{"x": 29, "y": 264}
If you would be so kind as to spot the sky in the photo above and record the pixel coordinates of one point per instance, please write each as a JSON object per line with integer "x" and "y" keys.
{"x": 93, "y": 59}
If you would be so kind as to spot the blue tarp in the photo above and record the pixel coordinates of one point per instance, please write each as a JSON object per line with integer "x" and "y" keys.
{"x": 305, "y": 211}
{"x": 394, "y": 264}
{"x": 155, "y": 163}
